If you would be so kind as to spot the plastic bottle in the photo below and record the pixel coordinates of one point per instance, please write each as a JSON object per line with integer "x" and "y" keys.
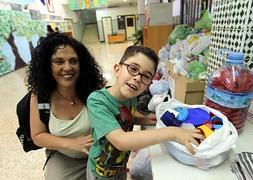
{"x": 230, "y": 88}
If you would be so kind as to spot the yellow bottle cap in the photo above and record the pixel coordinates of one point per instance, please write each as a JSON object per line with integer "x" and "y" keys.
{"x": 206, "y": 131}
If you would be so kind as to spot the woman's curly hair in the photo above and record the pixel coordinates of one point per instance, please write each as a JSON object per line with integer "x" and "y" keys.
{"x": 39, "y": 73}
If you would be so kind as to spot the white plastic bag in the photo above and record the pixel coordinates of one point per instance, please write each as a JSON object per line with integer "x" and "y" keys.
{"x": 212, "y": 151}
{"x": 156, "y": 100}
{"x": 163, "y": 53}
{"x": 159, "y": 86}
{"x": 141, "y": 166}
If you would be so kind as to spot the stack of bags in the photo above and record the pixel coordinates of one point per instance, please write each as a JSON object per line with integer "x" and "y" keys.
{"x": 242, "y": 167}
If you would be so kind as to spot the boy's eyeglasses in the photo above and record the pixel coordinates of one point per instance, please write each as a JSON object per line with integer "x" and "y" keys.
{"x": 134, "y": 71}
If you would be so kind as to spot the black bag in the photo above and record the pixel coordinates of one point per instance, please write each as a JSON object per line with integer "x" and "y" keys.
{"x": 23, "y": 113}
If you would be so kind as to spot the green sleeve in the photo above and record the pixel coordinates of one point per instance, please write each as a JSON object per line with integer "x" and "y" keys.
{"x": 102, "y": 118}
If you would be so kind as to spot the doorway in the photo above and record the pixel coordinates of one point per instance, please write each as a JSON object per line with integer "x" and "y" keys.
{"x": 107, "y": 27}
{"x": 130, "y": 26}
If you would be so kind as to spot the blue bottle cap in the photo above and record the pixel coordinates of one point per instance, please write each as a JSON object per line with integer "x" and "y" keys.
{"x": 235, "y": 57}
{"x": 216, "y": 120}
{"x": 217, "y": 126}
{"x": 197, "y": 116}
{"x": 182, "y": 114}
{"x": 169, "y": 119}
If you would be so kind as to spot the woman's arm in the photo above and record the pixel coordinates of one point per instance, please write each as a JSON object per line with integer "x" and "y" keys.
{"x": 41, "y": 137}
{"x": 141, "y": 119}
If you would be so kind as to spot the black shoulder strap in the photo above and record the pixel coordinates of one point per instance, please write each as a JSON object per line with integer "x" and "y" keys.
{"x": 44, "y": 109}
{"x": 23, "y": 112}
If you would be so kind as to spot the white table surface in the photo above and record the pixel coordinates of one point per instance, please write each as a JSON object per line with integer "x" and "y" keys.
{"x": 165, "y": 167}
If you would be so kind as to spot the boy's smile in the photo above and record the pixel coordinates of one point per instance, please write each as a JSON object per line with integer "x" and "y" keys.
{"x": 132, "y": 86}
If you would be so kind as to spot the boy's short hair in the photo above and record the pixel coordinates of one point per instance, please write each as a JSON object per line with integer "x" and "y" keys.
{"x": 133, "y": 50}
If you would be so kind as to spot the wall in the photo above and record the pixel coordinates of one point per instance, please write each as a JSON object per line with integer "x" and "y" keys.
{"x": 113, "y": 12}
{"x": 63, "y": 11}
{"x": 176, "y": 11}
{"x": 59, "y": 9}
{"x": 22, "y": 25}
{"x": 232, "y": 29}
{"x": 158, "y": 14}
{"x": 90, "y": 16}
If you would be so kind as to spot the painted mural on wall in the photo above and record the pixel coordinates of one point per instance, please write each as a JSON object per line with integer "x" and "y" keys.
{"x": 87, "y": 4}
{"x": 19, "y": 34}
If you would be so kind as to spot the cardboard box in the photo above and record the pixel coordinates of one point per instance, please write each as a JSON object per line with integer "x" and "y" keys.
{"x": 185, "y": 89}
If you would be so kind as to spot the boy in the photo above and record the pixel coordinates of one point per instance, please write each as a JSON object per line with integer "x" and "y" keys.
{"x": 111, "y": 113}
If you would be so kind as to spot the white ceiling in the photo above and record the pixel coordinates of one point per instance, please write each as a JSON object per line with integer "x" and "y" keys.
{"x": 121, "y": 2}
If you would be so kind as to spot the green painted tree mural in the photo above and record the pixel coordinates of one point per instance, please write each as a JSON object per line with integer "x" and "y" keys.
{"x": 19, "y": 24}
{"x": 5, "y": 66}
{"x": 35, "y": 27}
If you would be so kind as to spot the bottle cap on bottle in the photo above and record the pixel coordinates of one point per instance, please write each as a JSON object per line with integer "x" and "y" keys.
{"x": 235, "y": 57}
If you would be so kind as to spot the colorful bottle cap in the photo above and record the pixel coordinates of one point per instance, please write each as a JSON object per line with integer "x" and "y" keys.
{"x": 209, "y": 124}
{"x": 182, "y": 114}
{"x": 169, "y": 119}
{"x": 187, "y": 126}
{"x": 206, "y": 131}
{"x": 216, "y": 120}
{"x": 217, "y": 126}
{"x": 235, "y": 57}
{"x": 197, "y": 116}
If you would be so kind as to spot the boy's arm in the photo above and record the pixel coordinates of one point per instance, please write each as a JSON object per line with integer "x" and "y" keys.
{"x": 125, "y": 141}
{"x": 105, "y": 124}
{"x": 141, "y": 119}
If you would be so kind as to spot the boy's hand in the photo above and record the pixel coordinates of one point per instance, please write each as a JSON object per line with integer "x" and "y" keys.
{"x": 188, "y": 136}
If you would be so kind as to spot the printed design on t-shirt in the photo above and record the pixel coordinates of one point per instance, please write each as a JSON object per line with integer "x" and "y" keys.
{"x": 111, "y": 161}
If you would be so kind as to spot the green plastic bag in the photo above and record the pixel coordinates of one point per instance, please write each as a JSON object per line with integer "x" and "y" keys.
{"x": 205, "y": 21}
{"x": 195, "y": 68}
{"x": 180, "y": 32}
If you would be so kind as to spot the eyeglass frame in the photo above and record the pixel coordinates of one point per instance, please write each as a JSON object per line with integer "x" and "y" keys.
{"x": 138, "y": 73}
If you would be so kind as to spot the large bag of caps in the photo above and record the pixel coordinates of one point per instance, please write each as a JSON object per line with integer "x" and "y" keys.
{"x": 220, "y": 134}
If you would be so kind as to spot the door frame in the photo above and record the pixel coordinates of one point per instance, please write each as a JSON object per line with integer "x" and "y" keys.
{"x": 103, "y": 24}
{"x": 134, "y": 23}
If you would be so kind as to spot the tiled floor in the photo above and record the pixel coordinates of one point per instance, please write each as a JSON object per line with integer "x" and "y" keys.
{"x": 15, "y": 164}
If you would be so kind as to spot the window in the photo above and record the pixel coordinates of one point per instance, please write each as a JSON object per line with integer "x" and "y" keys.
{"x": 121, "y": 22}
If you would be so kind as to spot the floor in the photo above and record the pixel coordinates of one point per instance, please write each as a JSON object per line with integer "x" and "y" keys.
{"x": 15, "y": 164}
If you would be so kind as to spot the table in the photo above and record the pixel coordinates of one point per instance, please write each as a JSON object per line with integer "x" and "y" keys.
{"x": 164, "y": 166}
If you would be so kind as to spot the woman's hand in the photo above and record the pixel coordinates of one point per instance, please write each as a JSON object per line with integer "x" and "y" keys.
{"x": 187, "y": 136}
{"x": 81, "y": 143}
{"x": 141, "y": 119}
{"x": 151, "y": 119}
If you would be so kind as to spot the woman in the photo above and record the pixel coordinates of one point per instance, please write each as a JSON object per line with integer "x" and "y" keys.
{"x": 63, "y": 70}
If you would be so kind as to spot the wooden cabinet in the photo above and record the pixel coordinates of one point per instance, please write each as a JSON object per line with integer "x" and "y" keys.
{"x": 112, "y": 38}
{"x": 68, "y": 33}
{"x": 155, "y": 37}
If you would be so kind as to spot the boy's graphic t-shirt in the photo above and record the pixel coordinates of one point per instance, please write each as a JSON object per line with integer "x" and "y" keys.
{"x": 107, "y": 114}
